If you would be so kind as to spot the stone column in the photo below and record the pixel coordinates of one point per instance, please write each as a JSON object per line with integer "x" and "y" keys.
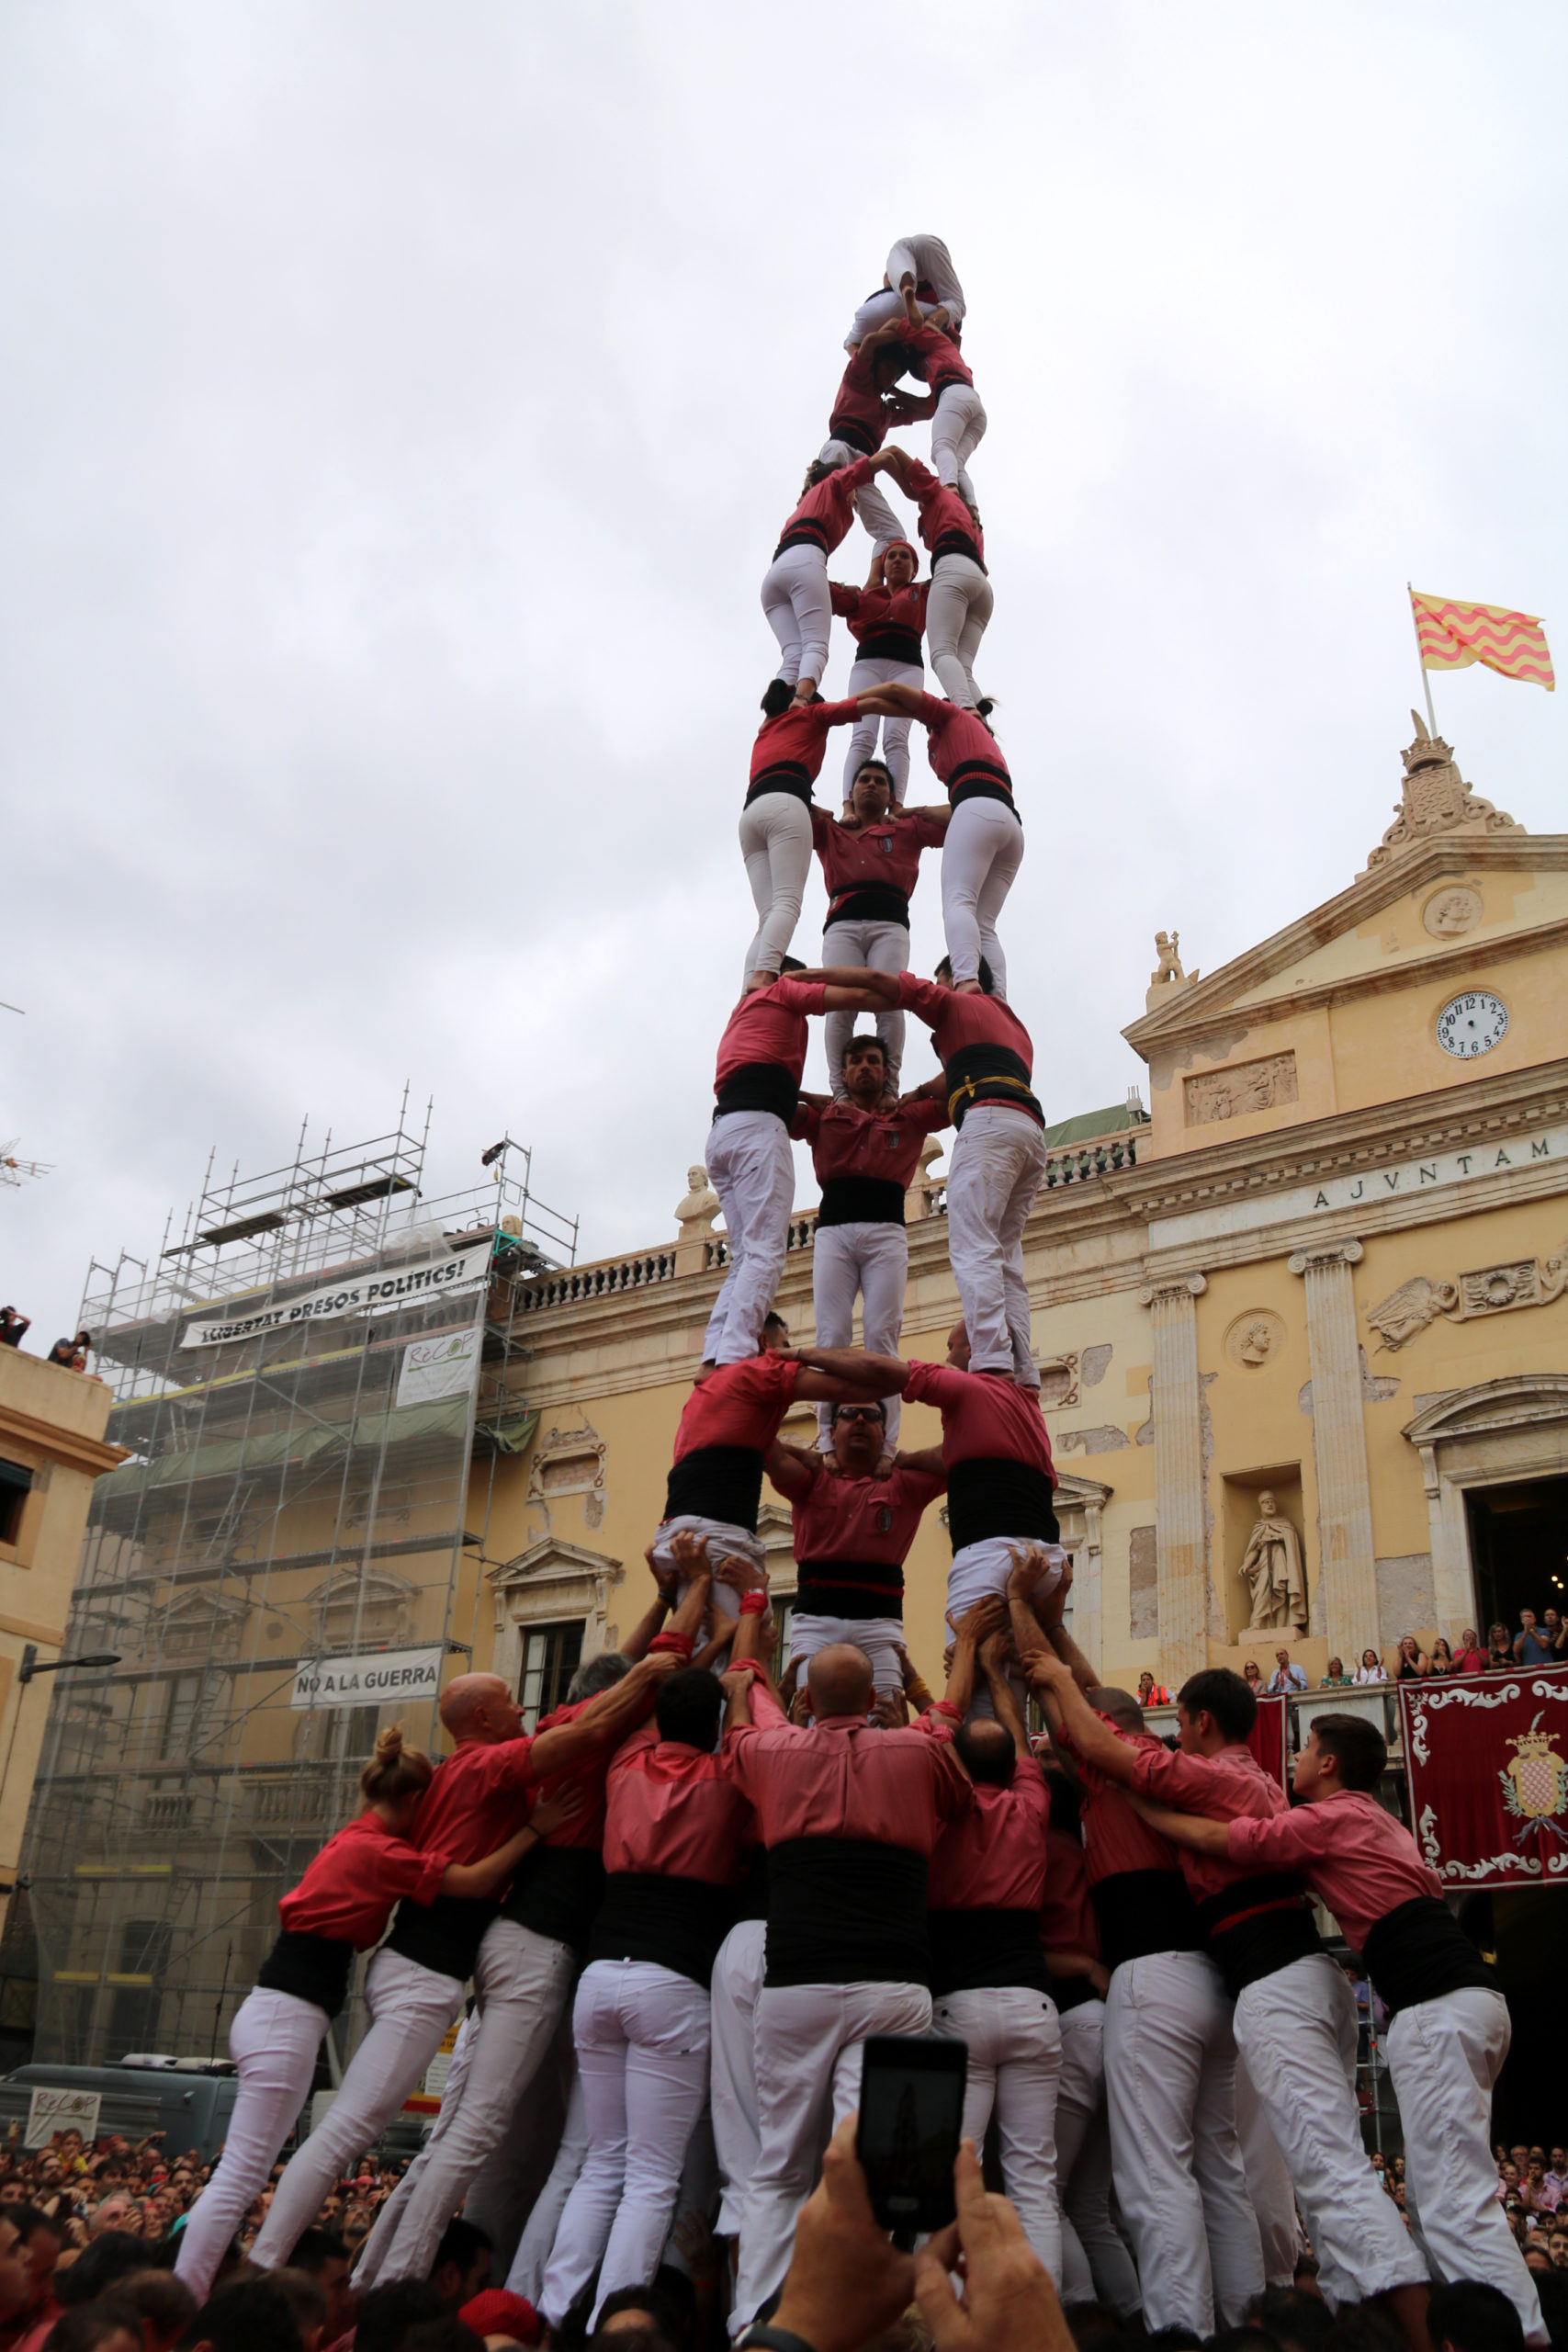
{"x": 1339, "y": 1448}
{"x": 1176, "y": 1401}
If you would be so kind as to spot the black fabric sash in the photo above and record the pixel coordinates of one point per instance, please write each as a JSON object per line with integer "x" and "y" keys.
{"x": 751, "y": 1895}
{"x": 1071, "y": 1993}
{"x": 983, "y": 1073}
{"x": 444, "y": 1934}
{"x": 846, "y": 1911}
{"x": 859, "y": 1200}
{"x": 891, "y": 645}
{"x": 995, "y": 1495}
{"x": 974, "y": 1952}
{"x": 313, "y": 1968}
{"x": 956, "y": 542}
{"x": 760, "y": 1086}
{"x": 1142, "y": 1912}
{"x": 555, "y": 1893}
{"x": 716, "y": 1482}
{"x": 870, "y": 902}
{"x": 790, "y": 775}
{"x": 1257, "y": 1926}
{"x": 987, "y": 771}
{"x": 850, "y": 429}
{"x": 806, "y": 534}
{"x": 1419, "y": 1951}
{"x": 677, "y": 1922}
{"x": 982, "y": 788}
{"x": 855, "y": 1589}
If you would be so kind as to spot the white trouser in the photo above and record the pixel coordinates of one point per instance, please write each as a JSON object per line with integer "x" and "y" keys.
{"x": 1268, "y": 2183}
{"x": 511, "y": 2183}
{"x": 642, "y": 2038}
{"x": 737, "y": 2133}
{"x": 885, "y": 946}
{"x": 751, "y": 1169}
{"x": 1015, "y": 2063}
{"x": 1295, "y": 2031}
{"x": 983, "y": 1568}
{"x": 526, "y": 2276}
{"x": 723, "y": 1537}
{"x": 872, "y": 1261}
{"x": 875, "y": 514}
{"x": 410, "y": 2009}
{"x": 1095, "y": 2262}
{"x": 775, "y": 841}
{"x": 957, "y": 429}
{"x": 864, "y": 674}
{"x": 1169, "y": 2069}
{"x": 957, "y": 612}
{"x": 378, "y": 2244}
{"x": 521, "y": 1980}
{"x": 879, "y": 1637}
{"x": 928, "y": 261}
{"x": 980, "y": 859}
{"x": 1444, "y": 2057}
{"x": 799, "y": 608}
{"x": 877, "y": 308}
{"x": 273, "y": 2041}
{"x": 810, "y": 2044}
{"x": 996, "y": 1166}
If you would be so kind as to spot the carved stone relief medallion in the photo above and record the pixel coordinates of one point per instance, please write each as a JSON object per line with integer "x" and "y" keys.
{"x": 1255, "y": 1339}
{"x": 1450, "y": 911}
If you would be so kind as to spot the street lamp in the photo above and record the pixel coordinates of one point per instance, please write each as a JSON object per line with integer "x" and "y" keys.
{"x": 25, "y": 1672}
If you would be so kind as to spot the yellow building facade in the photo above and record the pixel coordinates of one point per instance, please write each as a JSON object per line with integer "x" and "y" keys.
{"x": 1321, "y": 1293}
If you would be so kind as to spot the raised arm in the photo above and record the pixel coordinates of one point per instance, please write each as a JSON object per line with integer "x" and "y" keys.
{"x": 793, "y": 1470}
{"x": 1004, "y": 1703}
{"x": 926, "y": 1459}
{"x": 1094, "y": 1740}
{"x": 842, "y": 1375}
{"x": 606, "y": 1720}
{"x": 1031, "y": 1563}
{"x": 651, "y": 1622}
{"x": 976, "y": 1626}
{"x": 893, "y": 699}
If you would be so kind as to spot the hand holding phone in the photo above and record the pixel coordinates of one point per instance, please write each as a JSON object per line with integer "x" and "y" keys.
{"x": 912, "y": 2117}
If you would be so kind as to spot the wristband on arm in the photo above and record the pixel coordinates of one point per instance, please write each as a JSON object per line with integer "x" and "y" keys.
{"x": 753, "y": 1604}
{"x": 681, "y": 1644}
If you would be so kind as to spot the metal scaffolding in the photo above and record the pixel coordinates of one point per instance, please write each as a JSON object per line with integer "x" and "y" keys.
{"x": 309, "y": 1380}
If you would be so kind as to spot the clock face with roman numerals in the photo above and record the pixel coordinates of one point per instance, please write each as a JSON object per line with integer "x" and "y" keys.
{"x": 1473, "y": 1025}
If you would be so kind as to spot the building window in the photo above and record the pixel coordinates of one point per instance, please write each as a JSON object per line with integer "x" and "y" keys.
{"x": 351, "y": 1735}
{"x": 181, "y": 1714}
{"x": 133, "y": 2010}
{"x": 16, "y": 1486}
{"x": 552, "y": 1655}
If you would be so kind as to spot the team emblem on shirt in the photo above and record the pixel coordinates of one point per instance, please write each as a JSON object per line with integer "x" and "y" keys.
{"x": 1535, "y": 1785}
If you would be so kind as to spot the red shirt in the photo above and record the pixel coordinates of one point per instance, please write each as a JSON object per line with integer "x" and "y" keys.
{"x": 1230, "y": 1786}
{"x": 1352, "y": 1854}
{"x": 769, "y": 1025}
{"x": 585, "y": 1830}
{"x": 674, "y": 1811}
{"x": 946, "y": 525}
{"x": 1471, "y": 1662}
{"x": 939, "y": 359}
{"x": 874, "y": 1519}
{"x": 956, "y": 738}
{"x": 825, "y": 513}
{"x": 982, "y": 1419}
{"x": 476, "y": 1801}
{"x": 847, "y": 1141}
{"x": 348, "y": 1891}
{"x": 957, "y": 1021}
{"x": 792, "y": 745}
{"x": 883, "y": 612}
{"x": 993, "y": 1857}
{"x": 740, "y": 1404}
{"x": 843, "y": 1779}
{"x": 1067, "y": 1918}
{"x": 881, "y": 857}
{"x": 1115, "y": 1837}
{"x": 858, "y": 405}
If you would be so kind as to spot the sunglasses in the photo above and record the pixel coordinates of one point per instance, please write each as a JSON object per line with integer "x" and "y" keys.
{"x": 858, "y": 1413}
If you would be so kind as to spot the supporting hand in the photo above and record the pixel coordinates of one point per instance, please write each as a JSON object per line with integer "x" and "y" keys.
{"x": 1008, "y": 2303}
{"x": 847, "y": 2283}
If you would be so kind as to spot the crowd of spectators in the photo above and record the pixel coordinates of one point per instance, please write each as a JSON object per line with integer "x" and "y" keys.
{"x": 72, "y": 1352}
{"x": 1540, "y": 1641}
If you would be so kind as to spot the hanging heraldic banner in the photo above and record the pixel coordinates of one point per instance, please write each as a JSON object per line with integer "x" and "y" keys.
{"x": 1488, "y": 1765}
{"x": 441, "y": 1366}
{"x": 368, "y": 1294}
{"x": 375, "y": 1679}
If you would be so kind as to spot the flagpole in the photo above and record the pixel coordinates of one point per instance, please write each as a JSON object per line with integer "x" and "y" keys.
{"x": 1421, "y": 658}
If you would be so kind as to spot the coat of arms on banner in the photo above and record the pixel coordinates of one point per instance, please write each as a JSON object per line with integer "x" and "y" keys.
{"x": 1535, "y": 1785}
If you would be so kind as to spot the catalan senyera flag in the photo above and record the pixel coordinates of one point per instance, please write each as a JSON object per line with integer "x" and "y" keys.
{"x": 1452, "y": 635}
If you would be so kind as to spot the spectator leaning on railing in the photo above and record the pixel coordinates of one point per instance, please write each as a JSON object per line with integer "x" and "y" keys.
{"x": 1499, "y": 1649}
{"x": 1287, "y": 1678}
{"x": 1412, "y": 1664}
{"x": 1371, "y": 1668}
{"x": 1532, "y": 1644}
{"x": 1336, "y": 1678}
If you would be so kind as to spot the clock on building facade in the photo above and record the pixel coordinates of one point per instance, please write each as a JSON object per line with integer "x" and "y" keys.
{"x": 1473, "y": 1023}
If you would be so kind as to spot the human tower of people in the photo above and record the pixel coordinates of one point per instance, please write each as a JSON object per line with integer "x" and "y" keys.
{"x": 696, "y": 1892}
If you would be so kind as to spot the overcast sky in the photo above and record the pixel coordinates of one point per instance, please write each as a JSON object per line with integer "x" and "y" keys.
{"x": 398, "y": 409}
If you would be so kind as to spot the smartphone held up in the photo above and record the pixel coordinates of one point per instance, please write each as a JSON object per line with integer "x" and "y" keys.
{"x": 911, "y": 2117}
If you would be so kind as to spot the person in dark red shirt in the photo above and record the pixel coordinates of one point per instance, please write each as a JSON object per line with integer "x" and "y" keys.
{"x": 776, "y": 820}
{"x": 959, "y": 608}
{"x": 862, "y": 414}
{"x": 887, "y": 621}
{"x": 997, "y": 1164}
{"x": 796, "y": 597}
{"x": 854, "y": 1520}
{"x": 917, "y": 265}
{"x": 984, "y": 845}
{"x": 871, "y": 859}
{"x": 750, "y": 1163}
{"x": 865, "y": 1151}
{"x": 339, "y": 1907}
{"x": 957, "y": 418}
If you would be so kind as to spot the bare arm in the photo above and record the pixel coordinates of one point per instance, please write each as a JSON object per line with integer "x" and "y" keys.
{"x": 1094, "y": 1741}
{"x": 1004, "y": 1704}
{"x": 481, "y": 1878}
{"x": 927, "y": 1459}
{"x": 791, "y": 1470}
{"x": 892, "y": 698}
{"x": 636, "y": 1645}
{"x": 606, "y": 1720}
{"x": 1186, "y": 1829}
{"x": 851, "y": 1368}
{"x": 736, "y": 1687}
{"x": 976, "y": 1626}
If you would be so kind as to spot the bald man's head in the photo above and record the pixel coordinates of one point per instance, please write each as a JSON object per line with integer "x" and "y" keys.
{"x": 1120, "y": 1706}
{"x": 988, "y": 1750}
{"x": 840, "y": 1681}
{"x": 958, "y": 1348}
{"x": 479, "y": 1706}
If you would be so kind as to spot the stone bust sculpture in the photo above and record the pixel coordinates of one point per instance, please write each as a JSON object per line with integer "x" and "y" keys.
{"x": 1273, "y": 1571}
{"x": 696, "y": 1214}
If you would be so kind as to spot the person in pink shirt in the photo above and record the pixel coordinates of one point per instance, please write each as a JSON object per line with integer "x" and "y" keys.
{"x": 959, "y": 608}
{"x": 795, "y": 596}
{"x": 871, "y": 861}
{"x": 957, "y": 418}
{"x": 776, "y": 819}
{"x": 887, "y": 620}
{"x": 1294, "y": 2018}
{"x": 1451, "y": 2029}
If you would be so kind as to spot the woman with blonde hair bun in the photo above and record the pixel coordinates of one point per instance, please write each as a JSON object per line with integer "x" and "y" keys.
{"x": 340, "y": 1905}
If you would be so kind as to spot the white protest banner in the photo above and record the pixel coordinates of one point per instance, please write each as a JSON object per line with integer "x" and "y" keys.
{"x": 373, "y": 1678}
{"x": 361, "y": 1294}
{"x": 50, "y": 2111}
{"x": 444, "y": 1365}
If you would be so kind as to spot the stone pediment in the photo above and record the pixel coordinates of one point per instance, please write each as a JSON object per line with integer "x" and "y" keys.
{"x": 550, "y": 1559}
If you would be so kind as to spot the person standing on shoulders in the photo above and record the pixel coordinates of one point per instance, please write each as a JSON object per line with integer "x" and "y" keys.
{"x": 920, "y": 266}
{"x": 953, "y": 406}
{"x": 871, "y": 860}
{"x": 776, "y": 820}
{"x": 797, "y": 599}
{"x": 960, "y": 601}
{"x": 887, "y": 621}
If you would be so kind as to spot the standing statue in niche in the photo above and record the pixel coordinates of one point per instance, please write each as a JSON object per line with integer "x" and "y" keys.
{"x": 1273, "y": 1571}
